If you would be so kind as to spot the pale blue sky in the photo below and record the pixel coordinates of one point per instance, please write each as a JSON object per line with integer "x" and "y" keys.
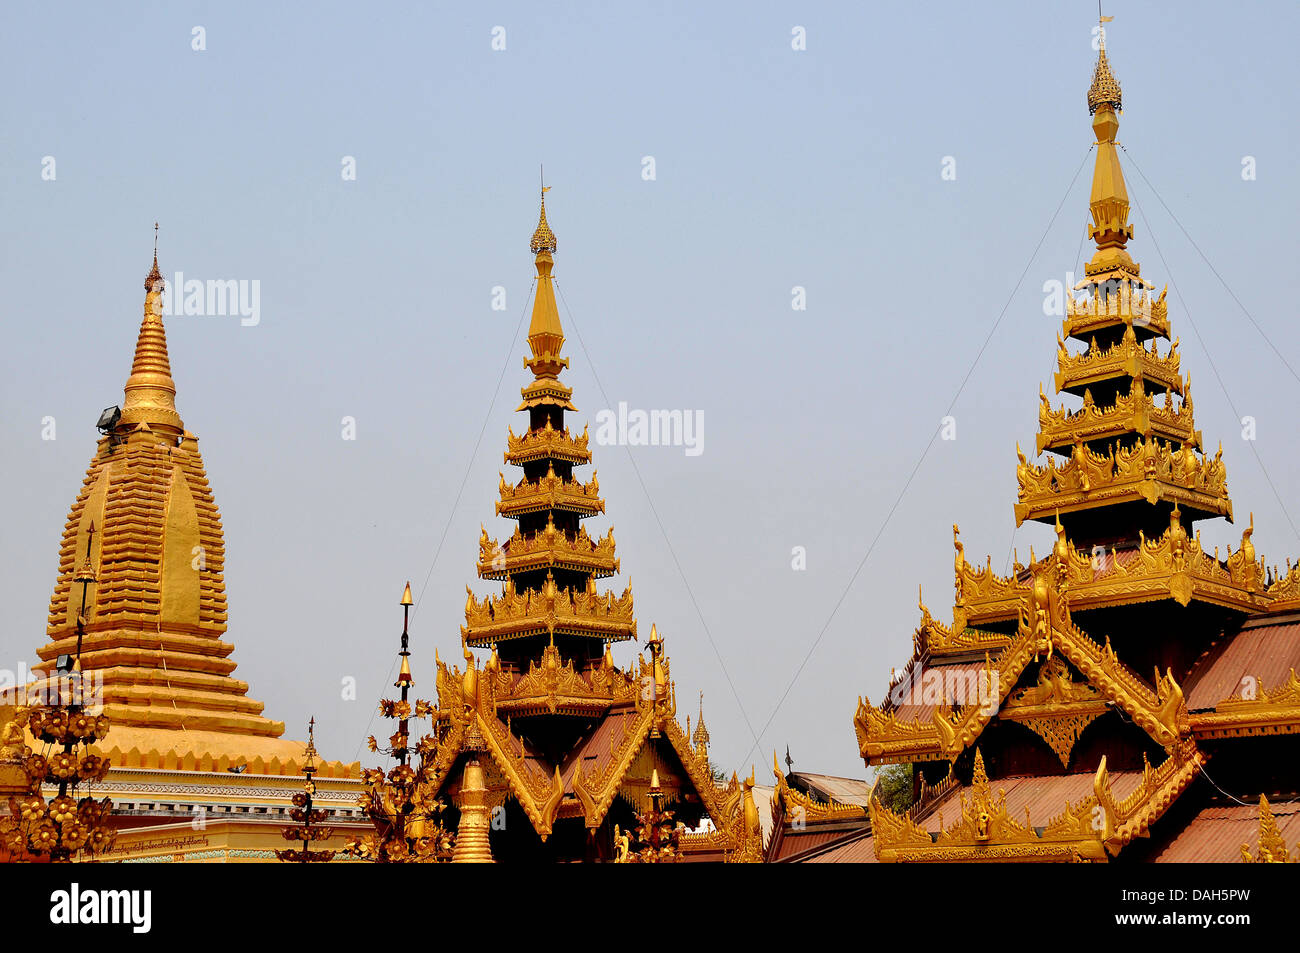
{"x": 775, "y": 168}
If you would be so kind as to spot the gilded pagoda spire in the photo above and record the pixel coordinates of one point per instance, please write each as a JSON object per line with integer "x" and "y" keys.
{"x": 1109, "y": 200}
{"x": 545, "y": 333}
{"x": 150, "y": 391}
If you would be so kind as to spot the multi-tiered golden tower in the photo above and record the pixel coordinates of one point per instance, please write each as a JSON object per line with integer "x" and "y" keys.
{"x": 197, "y": 771}
{"x": 1089, "y": 688}
{"x": 549, "y": 745}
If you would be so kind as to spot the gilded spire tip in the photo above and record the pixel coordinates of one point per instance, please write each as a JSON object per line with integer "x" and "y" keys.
{"x": 154, "y": 275}
{"x": 543, "y": 238}
{"x": 1104, "y": 90}
{"x": 150, "y": 392}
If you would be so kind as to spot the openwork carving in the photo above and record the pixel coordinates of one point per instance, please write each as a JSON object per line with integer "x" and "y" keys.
{"x": 1271, "y": 848}
{"x": 547, "y": 443}
{"x": 1131, "y": 304}
{"x": 550, "y": 492}
{"x": 985, "y": 831}
{"x": 546, "y": 611}
{"x": 1172, "y": 566}
{"x": 548, "y": 548}
{"x": 1134, "y": 412}
{"x": 1126, "y": 357}
{"x": 1151, "y": 470}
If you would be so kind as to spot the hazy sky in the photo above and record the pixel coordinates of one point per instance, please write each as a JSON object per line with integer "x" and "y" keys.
{"x": 774, "y": 168}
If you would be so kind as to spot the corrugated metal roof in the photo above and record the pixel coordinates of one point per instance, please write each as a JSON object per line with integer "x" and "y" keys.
{"x": 1045, "y": 796}
{"x": 935, "y": 685}
{"x": 858, "y": 851}
{"x": 596, "y": 750}
{"x": 828, "y": 787}
{"x": 1216, "y": 834}
{"x": 796, "y": 842}
{"x": 1264, "y": 652}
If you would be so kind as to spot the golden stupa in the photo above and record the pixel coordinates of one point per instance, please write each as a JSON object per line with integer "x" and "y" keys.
{"x": 198, "y": 772}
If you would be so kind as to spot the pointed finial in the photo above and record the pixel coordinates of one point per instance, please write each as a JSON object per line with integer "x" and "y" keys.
{"x": 406, "y": 596}
{"x": 310, "y": 751}
{"x": 543, "y": 242}
{"x": 1104, "y": 90}
{"x": 150, "y": 392}
{"x": 154, "y": 274}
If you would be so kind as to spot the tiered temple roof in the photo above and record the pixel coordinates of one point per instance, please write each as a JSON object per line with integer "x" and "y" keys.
{"x": 567, "y": 740}
{"x": 1072, "y": 702}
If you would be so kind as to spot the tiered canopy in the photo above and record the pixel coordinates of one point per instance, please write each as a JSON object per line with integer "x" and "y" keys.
{"x": 1088, "y": 687}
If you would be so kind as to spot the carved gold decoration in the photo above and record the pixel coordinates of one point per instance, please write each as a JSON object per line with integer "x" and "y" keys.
{"x": 1151, "y": 470}
{"x": 1127, "y": 357}
{"x": 546, "y": 611}
{"x": 1271, "y": 847}
{"x": 1160, "y": 787}
{"x": 1130, "y": 304}
{"x": 1274, "y": 711}
{"x": 1134, "y": 412}
{"x": 800, "y": 808}
{"x": 985, "y": 831}
{"x": 547, "y": 443}
{"x": 549, "y": 548}
{"x": 550, "y": 492}
{"x": 1044, "y": 628}
{"x": 1172, "y": 566}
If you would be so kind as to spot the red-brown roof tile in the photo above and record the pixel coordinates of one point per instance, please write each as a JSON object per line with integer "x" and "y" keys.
{"x": 1264, "y": 651}
{"x": 1216, "y": 834}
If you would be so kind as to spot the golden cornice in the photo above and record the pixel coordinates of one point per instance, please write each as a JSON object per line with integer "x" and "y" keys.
{"x": 1133, "y": 413}
{"x": 1151, "y": 470}
{"x": 547, "y": 442}
{"x": 985, "y": 831}
{"x": 550, "y": 492}
{"x": 1273, "y": 711}
{"x": 1089, "y": 314}
{"x": 1122, "y": 820}
{"x": 1173, "y": 566}
{"x": 555, "y": 686}
{"x": 547, "y": 611}
{"x": 1126, "y": 357}
{"x": 548, "y": 548}
{"x": 546, "y": 390}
